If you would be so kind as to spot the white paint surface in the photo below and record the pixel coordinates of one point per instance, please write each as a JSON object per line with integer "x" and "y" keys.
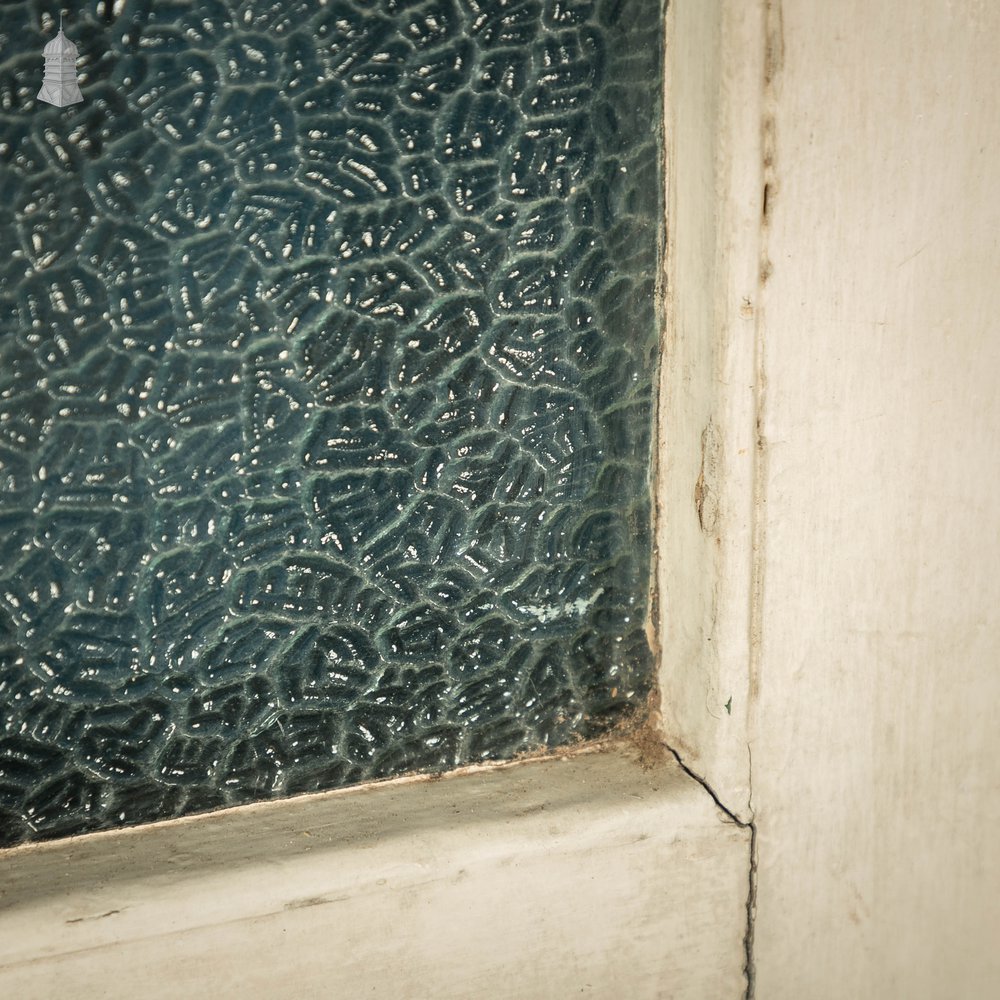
{"x": 876, "y": 754}
{"x": 584, "y": 876}
{"x": 714, "y": 68}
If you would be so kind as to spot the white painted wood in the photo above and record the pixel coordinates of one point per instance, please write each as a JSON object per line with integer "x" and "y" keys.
{"x": 584, "y": 875}
{"x": 876, "y": 748}
{"x": 713, "y": 101}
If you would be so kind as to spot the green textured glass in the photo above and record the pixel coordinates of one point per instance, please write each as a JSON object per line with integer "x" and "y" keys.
{"x": 327, "y": 343}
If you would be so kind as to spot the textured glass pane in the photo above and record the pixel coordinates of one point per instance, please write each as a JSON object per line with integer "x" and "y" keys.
{"x": 327, "y": 335}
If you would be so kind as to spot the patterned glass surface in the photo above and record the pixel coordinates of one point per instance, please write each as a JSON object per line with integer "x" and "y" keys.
{"x": 327, "y": 339}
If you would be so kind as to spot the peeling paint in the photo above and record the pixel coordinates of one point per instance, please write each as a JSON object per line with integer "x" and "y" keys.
{"x": 706, "y": 497}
